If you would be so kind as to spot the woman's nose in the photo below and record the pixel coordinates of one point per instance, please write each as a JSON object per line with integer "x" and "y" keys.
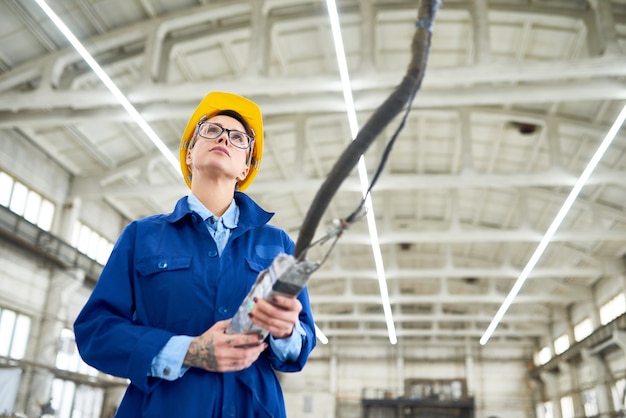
{"x": 223, "y": 137}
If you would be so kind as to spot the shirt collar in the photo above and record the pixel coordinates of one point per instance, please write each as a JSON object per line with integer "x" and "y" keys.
{"x": 251, "y": 215}
{"x": 230, "y": 218}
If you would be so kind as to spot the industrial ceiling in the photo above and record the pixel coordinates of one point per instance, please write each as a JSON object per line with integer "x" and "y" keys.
{"x": 517, "y": 97}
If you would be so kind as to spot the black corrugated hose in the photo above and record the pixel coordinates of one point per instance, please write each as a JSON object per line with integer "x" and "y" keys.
{"x": 402, "y": 95}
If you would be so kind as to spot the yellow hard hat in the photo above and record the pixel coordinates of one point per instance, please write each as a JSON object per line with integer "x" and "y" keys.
{"x": 212, "y": 104}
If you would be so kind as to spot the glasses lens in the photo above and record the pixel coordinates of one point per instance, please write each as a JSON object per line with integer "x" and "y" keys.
{"x": 238, "y": 139}
{"x": 210, "y": 131}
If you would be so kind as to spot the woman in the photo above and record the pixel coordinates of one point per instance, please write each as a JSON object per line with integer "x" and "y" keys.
{"x": 159, "y": 311}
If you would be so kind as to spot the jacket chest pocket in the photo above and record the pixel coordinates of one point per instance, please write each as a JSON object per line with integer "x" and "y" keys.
{"x": 165, "y": 279}
{"x": 154, "y": 265}
{"x": 164, "y": 290}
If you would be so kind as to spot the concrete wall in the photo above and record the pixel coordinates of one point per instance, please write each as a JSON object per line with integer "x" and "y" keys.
{"x": 338, "y": 374}
{"x": 336, "y": 378}
{"x": 34, "y": 167}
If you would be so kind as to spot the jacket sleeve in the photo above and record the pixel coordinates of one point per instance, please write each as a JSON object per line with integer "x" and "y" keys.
{"x": 308, "y": 342}
{"x": 308, "y": 325}
{"x": 107, "y": 337}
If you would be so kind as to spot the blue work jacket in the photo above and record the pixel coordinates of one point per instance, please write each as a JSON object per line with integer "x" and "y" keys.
{"x": 164, "y": 278}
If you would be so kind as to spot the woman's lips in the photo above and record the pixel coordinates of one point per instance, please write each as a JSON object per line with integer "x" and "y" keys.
{"x": 220, "y": 149}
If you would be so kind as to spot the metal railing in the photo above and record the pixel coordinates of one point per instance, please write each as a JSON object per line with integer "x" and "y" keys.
{"x": 599, "y": 340}
{"x": 32, "y": 238}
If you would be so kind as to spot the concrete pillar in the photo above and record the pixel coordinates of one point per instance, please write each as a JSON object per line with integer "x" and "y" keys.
{"x": 480, "y": 28}
{"x": 258, "y": 55}
{"x": 398, "y": 383}
{"x": 63, "y": 283}
{"x": 332, "y": 384}
{"x": 68, "y": 217}
{"x": 368, "y": 36}
{"x": 537, "y": 391}
{"x": 551, "y": 380}
{"x": 469, "y": 369}
{"x": 603, "y": 381}
{"x": 577, "y": 399}
{"x": 112, "y": 398}
{"x": 606, "y": 26}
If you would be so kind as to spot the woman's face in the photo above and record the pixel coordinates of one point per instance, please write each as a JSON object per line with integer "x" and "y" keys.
{"x": 218, "y": 158}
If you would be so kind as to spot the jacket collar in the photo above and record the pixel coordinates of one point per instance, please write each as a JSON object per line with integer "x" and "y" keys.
{"x": 251, "y": 215}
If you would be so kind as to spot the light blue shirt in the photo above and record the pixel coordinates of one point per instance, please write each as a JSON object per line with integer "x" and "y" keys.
{"x": 168, "y": 364}
{"x": 219, "y": 228}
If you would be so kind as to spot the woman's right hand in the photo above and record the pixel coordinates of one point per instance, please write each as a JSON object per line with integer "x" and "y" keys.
{"x": 217, "y": 351}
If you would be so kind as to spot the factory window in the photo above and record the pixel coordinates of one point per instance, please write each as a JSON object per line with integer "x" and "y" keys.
{"x": 543, "y": 356}
{"x": 561, "y": 344}
{"x": 545, "y": 410}
{"x": 612, "y": 309}
{"x": 619, "y": 395}
{"x": 6, "y": 187}
{"x": 71, "y": 400}
{"x": 583, "y": 329}
{"x": 25, "y": 202}
{"x": 68, "y": 398}
{"x": 590, "y": 403}
{"x": 18, "y": 198}
{"x": 89, "y": 242}
{"x": 567, "y": 407}
{"x": 68, "y": 357}
{"x": 14, "y": 330}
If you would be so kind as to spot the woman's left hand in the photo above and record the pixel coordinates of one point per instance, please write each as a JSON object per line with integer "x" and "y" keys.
{"x": 277, "y": 315}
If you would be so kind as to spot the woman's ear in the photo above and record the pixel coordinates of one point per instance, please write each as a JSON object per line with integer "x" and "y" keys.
{"x": 243, "y": 174}
{"x": 188, "y": 157}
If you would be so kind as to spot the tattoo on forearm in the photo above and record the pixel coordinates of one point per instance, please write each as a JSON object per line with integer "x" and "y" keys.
{"x": 201, "y": 354}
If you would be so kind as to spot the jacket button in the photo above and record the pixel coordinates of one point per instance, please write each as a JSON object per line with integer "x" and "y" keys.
{"x": 212, "y": 253}
{"x": 162, "y": 264}
{"x": 194, "y": 218}
{"x": 222, "y": 310}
